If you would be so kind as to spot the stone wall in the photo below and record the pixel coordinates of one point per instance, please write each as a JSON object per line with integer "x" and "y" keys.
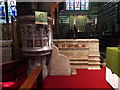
{"x": 5, "y": 51}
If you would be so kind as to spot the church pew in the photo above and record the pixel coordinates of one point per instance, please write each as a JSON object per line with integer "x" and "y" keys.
{"x": 14, "y": 74}
{"x": 35, "y": 76}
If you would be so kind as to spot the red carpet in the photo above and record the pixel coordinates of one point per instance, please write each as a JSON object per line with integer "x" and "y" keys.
{"x": 84, "y": 79}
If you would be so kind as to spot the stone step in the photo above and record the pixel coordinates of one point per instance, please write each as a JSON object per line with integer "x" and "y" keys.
{"x": 79, "y": 59}
{"x": 94, "y": 55}
{"x": 94, "y": 63}
{"x": 103, "y": 64}
{"x": 72, "y": 48}
{"x": 79, "y": 66}
{"x": 94, "y": 68}
{"x": 73, "y": 71}
{"x": 94, "y": 59}
{"x": 79, "y": 62}
{"x": 85, "y": 67}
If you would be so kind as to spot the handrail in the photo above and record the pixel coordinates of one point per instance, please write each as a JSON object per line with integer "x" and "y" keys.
{"x": 28, "y": 83}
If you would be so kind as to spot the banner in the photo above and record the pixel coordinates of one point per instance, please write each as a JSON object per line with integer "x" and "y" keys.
{"x": 40, "y": 17}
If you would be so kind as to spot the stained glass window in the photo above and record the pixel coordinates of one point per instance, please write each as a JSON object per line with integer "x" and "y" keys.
{"x": 12, "y": 10}
{"x": 82, "y": 5}
{"x": 2, "y": 12}
{"x": 71, "y": 4}
{"x": 77, "y": 4}
{"x": 67, "y": 4}
{"x": 87, "y": 5}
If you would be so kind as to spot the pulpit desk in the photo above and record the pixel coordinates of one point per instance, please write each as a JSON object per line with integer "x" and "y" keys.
{"x": 113, "y": 66}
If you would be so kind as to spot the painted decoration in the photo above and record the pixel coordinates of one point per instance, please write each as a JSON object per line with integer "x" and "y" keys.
{"x": 40, "y": 17}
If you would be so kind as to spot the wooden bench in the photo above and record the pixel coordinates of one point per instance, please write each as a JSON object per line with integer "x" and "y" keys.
{"x": 14, "y": 75}
{"x": 35, "y": 76}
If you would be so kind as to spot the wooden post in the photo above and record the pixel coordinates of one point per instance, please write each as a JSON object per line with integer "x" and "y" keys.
{"x": 12, "y": 37}
{"x": 15, "y": 44}
{"x": 54, "y": 10}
